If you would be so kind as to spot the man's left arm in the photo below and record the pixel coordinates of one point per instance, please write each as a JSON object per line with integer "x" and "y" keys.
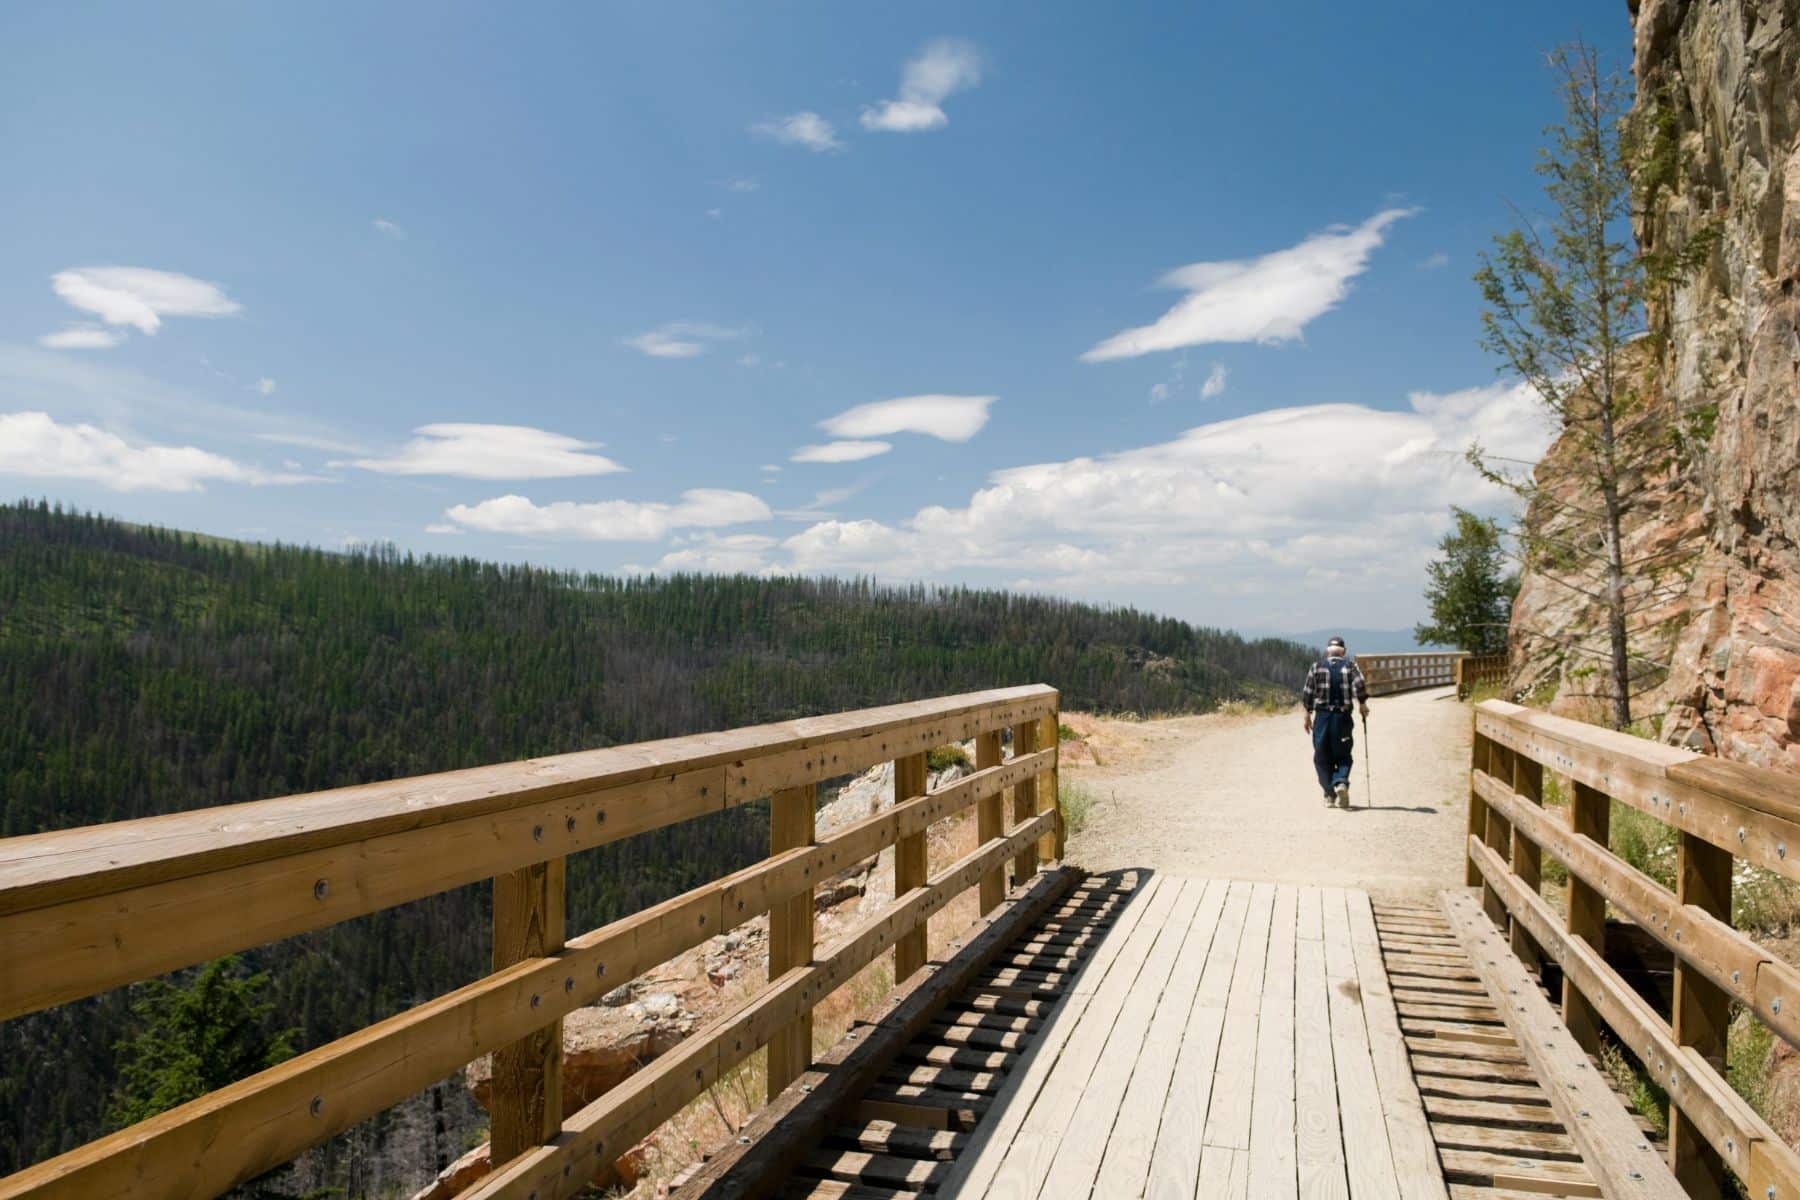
{"x": 1360, "y": 687}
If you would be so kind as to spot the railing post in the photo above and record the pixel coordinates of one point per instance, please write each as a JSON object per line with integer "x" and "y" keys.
{"x": 911, "y": 868}
{"x": 1702, "y": 1014}
{"x": 1480, "y": 753}
{"x": 1025, "y": 801}
{"x": 1498, "y": 834}
{"x": 990, "y": 821}
{"x": 1050, "y": 846}
{"x": 525, "y": 1100}
{"x": 1527, "y": 857}
{"x": 1590, "y": 815}
{"x": 791, "y": 826}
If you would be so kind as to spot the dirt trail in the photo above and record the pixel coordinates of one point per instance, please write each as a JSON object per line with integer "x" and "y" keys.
{"x": 1234, "y": 796}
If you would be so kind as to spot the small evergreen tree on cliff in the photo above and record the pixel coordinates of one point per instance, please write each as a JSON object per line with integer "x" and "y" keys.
{"x": 1469, "y": 589}
{"x": 194, "y": 1038}
{"x": 1564, "y": 301}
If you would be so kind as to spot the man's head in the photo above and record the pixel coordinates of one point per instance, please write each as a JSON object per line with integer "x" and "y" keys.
{"x": 1334, "y": 647}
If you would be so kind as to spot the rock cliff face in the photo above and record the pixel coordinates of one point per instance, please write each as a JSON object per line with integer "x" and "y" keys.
{"x": 1725, "y": 77}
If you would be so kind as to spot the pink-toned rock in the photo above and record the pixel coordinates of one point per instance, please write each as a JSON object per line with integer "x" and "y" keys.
{"x": 1720, "y": 379}
{"x": 458, "y": 1176}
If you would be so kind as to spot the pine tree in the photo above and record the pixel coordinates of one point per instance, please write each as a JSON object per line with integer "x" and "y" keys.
{"x": 1468, "y": 589}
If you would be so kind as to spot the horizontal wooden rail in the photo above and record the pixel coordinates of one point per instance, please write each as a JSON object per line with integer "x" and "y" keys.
{"x": 211, "y": 1144}
{"x": 1722, "y": 811}
{"x": 612, "y": 1124}
{"x": 1389, "y": 673}
{"x": 84, "y": 910}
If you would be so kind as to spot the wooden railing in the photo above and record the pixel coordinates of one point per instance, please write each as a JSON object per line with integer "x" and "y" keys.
{"x": 1722, "y": 812}
{"x": 1388, "y": 673}
{"x": 1479, "y": 670}
{"x": 90, "y": 909}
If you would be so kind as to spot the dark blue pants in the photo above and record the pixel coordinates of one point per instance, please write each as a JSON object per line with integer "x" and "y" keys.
{"x": 1334, "y": 736}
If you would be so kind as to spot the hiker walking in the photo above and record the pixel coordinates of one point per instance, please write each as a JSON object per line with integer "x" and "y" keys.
{"x": 1331, "y": 686}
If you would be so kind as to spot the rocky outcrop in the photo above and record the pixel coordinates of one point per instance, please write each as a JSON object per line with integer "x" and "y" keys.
{"x": 1723, "y": 77}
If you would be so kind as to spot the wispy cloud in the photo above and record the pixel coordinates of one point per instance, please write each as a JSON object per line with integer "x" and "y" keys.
{"x": 137, "y": 297}
{"x": 950, "y": 418}
{"x": 81, "y": 337}
{"x": 1214, "y": 384}
{"x": 681, "y": 339}
{"x": 266, "y": 386}
{"x": 611, "y": 520}
{"x": 1266, "y": 299}
{"x": 1434, "y": 262}
{"x": 312, "y": 442}
{"x": 806, "y": 129}
{"x": 743, "y": 183}
{"x": 37, "y": 446}
{"x": 840, "y": 452}
{"x": 389, "y": 228}
{"x": 492, "y": 452}
{"x": 940, "y": 70}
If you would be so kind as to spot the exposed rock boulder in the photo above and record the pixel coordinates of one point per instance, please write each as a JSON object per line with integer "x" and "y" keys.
{"x": 1725, "y": 76}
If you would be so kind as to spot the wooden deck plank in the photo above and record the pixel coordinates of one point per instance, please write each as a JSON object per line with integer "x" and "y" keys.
{"x": 1126, "y": 1164}
{"x": 1234, "y": 1074}
{"x": 1274, "y": 1168}
{"x": 975, "y": 1172}
{"x": 1368, "y": 1157}
{"x": 1176, "y": 1161}
{"x": 1100, "y": 1099}
{"x": 1319, "y": 1145}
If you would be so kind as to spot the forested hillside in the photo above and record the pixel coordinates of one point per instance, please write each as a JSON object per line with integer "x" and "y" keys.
{"x": 144, "y": 672}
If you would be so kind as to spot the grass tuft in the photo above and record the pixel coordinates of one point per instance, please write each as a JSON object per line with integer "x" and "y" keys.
{"x": 1077, "y": 802}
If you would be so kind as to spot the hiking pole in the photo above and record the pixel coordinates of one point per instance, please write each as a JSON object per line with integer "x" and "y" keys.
{"x": 1368, "y": 765}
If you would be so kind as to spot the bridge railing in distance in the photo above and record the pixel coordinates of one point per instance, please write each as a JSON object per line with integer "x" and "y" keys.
{"x": 1478, "y": 670}
{"x": 1389, "y": 673}
{"x": 1722, "y": 813}
{"x": 85, "y": 910}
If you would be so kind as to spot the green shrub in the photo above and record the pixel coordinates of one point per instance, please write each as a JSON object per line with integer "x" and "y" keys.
{"x": 1065, "y": 734}
{"x": 945, "y": 757}
{"x": 1077, "y": 802}
{"x": 1644, "y": 842}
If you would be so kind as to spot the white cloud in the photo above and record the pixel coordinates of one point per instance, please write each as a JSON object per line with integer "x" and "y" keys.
{"x": 1434, "y": 262}
{"x": 1267, "y": 299}
{"x": 311, "y": 442}
{"x": 681, "y": 339}
{"x": 1328, "y": 509}
{"x": 1215, "y": 382}
{"x": 715, "y": 213}
{"x": 806, "y": 129}
{"x": 492, "y": 452}
{"x": 728, "y": 554}
{"x": 140, "y": 297}
{"x": 80, "y": 337}
{"x": 950, "y": 418}
{"x": 266, "y": 386}
{"x": 940, "y": 70}
{"x": 388, "y": 228}
{"x": 35, "y": 445}
{"x": 441, "y": 528}
{"x": 742, "y": 183}
{"x": 770, "y": 468}
{"x": 839, "y": 452}
{"x": 611, "y": 520}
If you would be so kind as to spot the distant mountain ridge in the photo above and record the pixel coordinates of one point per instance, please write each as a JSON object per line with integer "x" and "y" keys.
{"x": 1363, "y": 641}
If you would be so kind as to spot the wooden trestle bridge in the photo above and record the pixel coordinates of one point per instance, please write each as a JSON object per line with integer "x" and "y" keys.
{"x": 1120, "y": 1035}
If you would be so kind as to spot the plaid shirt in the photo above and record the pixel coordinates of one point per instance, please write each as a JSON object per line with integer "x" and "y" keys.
{"x": 1316, "y": 695}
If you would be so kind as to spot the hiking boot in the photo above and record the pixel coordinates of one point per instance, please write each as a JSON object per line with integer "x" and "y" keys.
{"x": 1330, "y": 799}
{"x": 1342, "y": 793}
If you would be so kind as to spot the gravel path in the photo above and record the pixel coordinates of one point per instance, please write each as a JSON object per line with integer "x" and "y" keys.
{"x": 1234, "y": 796}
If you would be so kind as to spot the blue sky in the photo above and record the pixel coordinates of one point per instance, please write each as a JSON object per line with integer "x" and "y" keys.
{"x": 1154, "y": 304}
